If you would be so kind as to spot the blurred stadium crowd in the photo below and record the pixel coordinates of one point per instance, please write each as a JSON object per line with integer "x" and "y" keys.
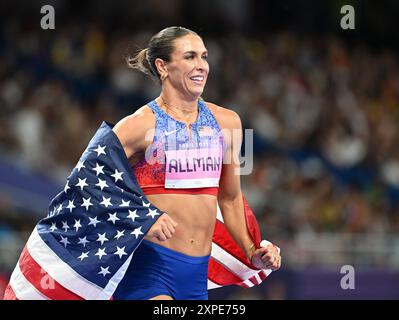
{"x": 325, "y": 183}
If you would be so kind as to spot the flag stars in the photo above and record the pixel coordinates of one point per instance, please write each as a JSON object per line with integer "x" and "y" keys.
{"x": 83, "y": 255}
{"x": 93, "y": 221}
{"x": 125, "y": 203}
{"x": 102, "y": 238}
{"x": 86, "y": 203}
{"x": 59, "y": 209}
{"x": 104, "y": 271}
{"x": 137, "y": 232}
{"x": 77, "y": 225}
{"x": 98, "y": 169}
{"x": 133, "y": 215}
{"x": 64, "y": 241}
{"x": 117, "y": 175}
{"x": 70, "y": 205}
{"x": 119, "y": 234}
{"x": 53, "y": 227}
{"x": 100, "y": 253}
{"x": 80, "y": 165}
{"x": 67, "y": 187}
{"x": 82, "y": 183}
{"x": 147, "y": 205}
{"x": 152, "y": 213}
{"x": 65, "y": 226}
{"x": 83, "y": 241}
{"x": 102, "y": 184}
{"x": 113, "y": 217}
{"x": 120, "y": 252}
{"x": 106, "y": 202}
{"x": 100, "y": 150}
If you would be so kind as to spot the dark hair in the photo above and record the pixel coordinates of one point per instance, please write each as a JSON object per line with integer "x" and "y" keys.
{"x": 159, "y": 46}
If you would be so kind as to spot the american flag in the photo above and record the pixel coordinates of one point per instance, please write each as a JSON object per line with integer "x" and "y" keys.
{"x": 83, "y": 247}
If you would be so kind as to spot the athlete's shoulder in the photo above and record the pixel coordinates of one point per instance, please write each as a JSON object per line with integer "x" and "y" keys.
{"x": 136, "y": 124}
{"x": 226, "y": 117}
{"x": 142, "y": 117}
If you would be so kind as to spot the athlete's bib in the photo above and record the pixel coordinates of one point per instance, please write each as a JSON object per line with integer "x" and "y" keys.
{"x": 193, "y": 168}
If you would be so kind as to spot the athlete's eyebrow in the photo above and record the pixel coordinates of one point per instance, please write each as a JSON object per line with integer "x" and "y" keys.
{"x": 194, "y": 52}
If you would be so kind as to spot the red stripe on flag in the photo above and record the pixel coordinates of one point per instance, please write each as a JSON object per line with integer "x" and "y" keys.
{"x": 218, "y": 274}
{"x": 224, "y": 240}
{"x": 9, "y": 294}
{"x": 42, "y": 281}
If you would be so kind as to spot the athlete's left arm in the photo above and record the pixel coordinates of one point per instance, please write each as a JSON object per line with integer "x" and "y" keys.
{"x": 230, "y": 197}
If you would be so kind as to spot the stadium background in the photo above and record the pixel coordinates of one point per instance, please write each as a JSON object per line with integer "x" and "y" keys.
{"x": 323, "y": 103}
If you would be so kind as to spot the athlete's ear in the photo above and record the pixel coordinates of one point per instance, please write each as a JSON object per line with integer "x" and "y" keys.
{"x": 161, "y": 68}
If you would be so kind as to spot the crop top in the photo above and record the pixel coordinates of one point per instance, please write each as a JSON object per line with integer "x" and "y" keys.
{"x": 179, "y": 163}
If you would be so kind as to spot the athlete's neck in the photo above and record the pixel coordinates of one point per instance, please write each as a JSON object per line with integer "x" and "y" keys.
{"x": 183, "y": 104}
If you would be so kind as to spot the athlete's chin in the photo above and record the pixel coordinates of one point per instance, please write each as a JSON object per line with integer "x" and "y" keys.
{"x": 197, "y": 91}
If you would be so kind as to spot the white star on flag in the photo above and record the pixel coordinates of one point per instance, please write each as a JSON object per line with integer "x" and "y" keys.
{"x": 53, "y": 227}
{"x": 132, "y": 215}
{"x": 83, "y": 241}
{"x": 82, "y": 183}
{"x": 117, "y": 175}
{"x": 64, "y": 241}
{"x": 125, "y": 203}
{"x": 65, "y": 226}
{"x": 80, "y": 165}
{"x": 119, "y": 234}
{"x": 102, "y": 238}
{"x": 104, "y": 271}
{"x": 86, "y": 203}
{"x": 106, "y": 202}
{"x": 137, "y": 232}
{"x": 70, "y": 205}
{"x": 93, "y": 221}
{"x": 146, "y": 204}
{"x": 83, "y": 255}
{"x": 102, "y": 184}
{"x": 77, "y": 225}
{"x": 59, "y": 209}
{"x": 152, "y": 213}
{"x": 67, "y": 187}
{"x": 120, "y": 252}
{"x": 100, "y": 150}
{"x": 100, "y": 253}
{"x": 98, "y": 169}
{"x": 113, "y": 217}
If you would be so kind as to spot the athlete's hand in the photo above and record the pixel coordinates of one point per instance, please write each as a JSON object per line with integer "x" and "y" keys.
{"x": 163, "y": 228}
{"x": 267, "y": 257}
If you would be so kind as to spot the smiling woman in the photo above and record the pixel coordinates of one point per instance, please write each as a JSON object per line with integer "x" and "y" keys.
{"x": 184, "y": 158}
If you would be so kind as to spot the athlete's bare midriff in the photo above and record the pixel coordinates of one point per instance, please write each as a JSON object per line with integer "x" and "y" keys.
{"x": 196, "y": 217}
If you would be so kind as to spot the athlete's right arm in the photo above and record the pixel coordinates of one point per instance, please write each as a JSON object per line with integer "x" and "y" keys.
{"x": 135, "y": 132}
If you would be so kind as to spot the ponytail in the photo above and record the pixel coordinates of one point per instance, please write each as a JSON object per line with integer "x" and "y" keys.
{"x": 140, "y": 62}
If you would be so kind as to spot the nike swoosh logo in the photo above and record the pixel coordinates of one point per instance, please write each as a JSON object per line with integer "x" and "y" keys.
{"x": 168, "y": 133}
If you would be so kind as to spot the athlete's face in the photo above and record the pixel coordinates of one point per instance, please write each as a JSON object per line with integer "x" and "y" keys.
{"x": 188, "y": 68}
